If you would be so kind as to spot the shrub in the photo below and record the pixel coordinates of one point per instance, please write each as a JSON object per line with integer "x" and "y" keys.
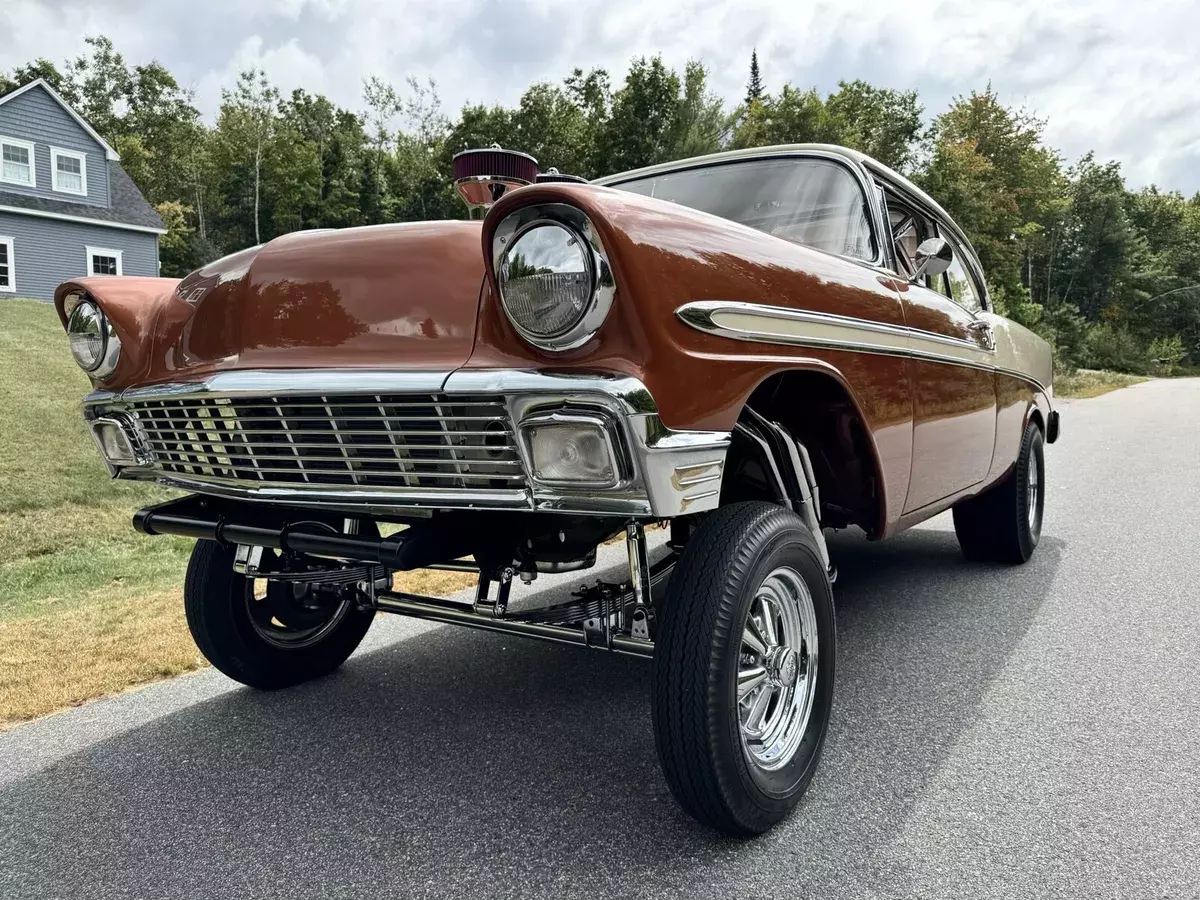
{"x": 1165, "y": 355}
{"x": 1109, "y": 347}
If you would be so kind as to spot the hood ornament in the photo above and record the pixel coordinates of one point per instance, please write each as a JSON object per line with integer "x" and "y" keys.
{"x": 482, "y": 177}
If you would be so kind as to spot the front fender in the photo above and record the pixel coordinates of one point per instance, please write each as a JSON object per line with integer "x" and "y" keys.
{"x": 664, "y": 256}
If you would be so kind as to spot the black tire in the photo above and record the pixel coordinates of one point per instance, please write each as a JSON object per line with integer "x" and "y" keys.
{"x": 218, "y": 616}
{"x": 697, "y": 729}
{"x": 1004, "y": 523}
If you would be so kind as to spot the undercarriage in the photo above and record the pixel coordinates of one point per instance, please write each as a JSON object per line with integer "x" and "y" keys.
{"x": 326, "y": 561}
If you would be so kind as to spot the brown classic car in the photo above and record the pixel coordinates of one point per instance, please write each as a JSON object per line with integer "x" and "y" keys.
{"x": 751, "y": 347}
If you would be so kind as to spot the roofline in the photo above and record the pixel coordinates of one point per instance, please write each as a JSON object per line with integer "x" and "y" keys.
{"x": 41, "y": 82}
{"x": 104, "y": 223}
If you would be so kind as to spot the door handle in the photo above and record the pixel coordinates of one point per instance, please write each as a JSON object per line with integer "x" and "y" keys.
{"x": 983, "y": 332}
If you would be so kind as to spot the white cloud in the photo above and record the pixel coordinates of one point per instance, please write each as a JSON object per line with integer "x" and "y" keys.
{"x": 1108, "y": 76}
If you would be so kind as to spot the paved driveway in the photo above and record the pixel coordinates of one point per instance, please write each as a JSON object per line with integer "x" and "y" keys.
{"x": 998, "y": 732}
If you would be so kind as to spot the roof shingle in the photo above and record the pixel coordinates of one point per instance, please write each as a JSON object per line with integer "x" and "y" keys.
{"x": 126, "y": 206}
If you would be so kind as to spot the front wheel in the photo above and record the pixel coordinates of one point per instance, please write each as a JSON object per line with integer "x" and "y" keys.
{"x": 266, "y": 634}
{"x": 743, "y": 668}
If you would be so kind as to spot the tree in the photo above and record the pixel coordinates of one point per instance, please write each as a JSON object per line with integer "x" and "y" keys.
{"x": 988, "y": 168}
{"x": 881, "y": 122}
{"x": 246, "y": 126}
{"x": 39, "y": 68}
{"x": 702, "y": 123}
{"x": 643, "y": 126}
{"x": 96, "y": 83}
{"x": 754, "y": 87}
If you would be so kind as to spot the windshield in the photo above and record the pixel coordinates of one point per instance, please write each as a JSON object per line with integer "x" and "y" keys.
{"x": 814, "y": 202}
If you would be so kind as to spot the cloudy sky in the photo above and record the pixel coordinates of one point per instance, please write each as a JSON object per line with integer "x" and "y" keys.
{"x": 1116, "y": 76}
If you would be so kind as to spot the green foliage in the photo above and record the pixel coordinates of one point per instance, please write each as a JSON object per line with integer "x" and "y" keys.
{"x": 1110, "y": 276}
{"x": 754, "y": 87}
{"x": 1111, "y": 347}
{"x": 1165, "y": 355}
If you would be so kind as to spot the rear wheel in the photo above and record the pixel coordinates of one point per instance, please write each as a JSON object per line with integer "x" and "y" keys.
{"x": 743, "y": 668}
{"x": 1005, "y": 523}
{"x": 266, "y": 634}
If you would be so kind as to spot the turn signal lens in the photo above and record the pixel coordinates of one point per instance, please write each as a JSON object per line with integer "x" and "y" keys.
{"x": 114, "y": 443}
{"x": 570, "y": 451}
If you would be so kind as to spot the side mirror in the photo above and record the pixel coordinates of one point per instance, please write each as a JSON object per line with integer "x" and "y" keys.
{"x": 933, "y": 257}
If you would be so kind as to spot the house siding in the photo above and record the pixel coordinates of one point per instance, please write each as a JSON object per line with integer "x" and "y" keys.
{"x": 47, "y": 252}
{"x": 36, "y": 116}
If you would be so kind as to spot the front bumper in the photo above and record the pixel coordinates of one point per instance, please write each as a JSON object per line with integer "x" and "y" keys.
{"x": 663, "y": 473}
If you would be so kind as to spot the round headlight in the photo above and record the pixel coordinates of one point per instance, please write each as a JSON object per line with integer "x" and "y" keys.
{"x": 94, "y": 344}
{"x": 547, "y": 279}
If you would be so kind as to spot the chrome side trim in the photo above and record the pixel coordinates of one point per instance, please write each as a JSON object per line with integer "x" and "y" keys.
{"x": 880, "y": 337}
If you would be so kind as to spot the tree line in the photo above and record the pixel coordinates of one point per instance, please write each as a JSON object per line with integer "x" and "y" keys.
{"x": 1110, "y": 275}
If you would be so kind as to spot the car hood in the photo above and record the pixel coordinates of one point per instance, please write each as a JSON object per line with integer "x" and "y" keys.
{"x": 381, "y": 296}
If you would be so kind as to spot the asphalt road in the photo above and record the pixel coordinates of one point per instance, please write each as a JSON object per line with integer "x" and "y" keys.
{"x": 998, "y": 732}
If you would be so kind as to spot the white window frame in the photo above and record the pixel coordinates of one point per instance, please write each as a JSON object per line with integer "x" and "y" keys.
{"x": 24, "y": 145}
{"x": 11, "y": 287}
{"x": 55, "y": 153}
{"x": 102, "y": 251}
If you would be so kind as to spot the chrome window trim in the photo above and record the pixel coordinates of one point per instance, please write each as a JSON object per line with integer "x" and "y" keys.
{"x": 671, "y": 471}
{"x": 885, "y": 179}
{"x": 699, "y": 315}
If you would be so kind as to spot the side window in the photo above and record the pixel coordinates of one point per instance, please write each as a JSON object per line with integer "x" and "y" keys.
{"x": 960, "y": 286}
{"x": 909, "y": 228}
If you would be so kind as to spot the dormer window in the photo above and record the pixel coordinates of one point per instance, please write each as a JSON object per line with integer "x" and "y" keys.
{"x": 70, "y": 171}
{"x": 16, "y": 162}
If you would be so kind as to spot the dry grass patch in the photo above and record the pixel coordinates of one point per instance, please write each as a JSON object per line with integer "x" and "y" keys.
{"x": 53, "y": 661}
{"x": 1085, "y": 383}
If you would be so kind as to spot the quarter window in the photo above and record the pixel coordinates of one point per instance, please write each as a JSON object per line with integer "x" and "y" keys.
{"x": 70, "y": 171}
{"x": 16, "y": 162}
{"x": 8, "y": 275}
{"x": 959, "y": 285}
{"x": 103, "y": 262}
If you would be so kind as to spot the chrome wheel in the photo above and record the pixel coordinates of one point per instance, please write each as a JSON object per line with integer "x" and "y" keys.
{"x": 777, "y": 671}
{"x": 1033, "y": 497}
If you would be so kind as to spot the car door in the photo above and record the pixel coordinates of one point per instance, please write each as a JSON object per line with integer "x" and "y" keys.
{"x": 950, "y": 367}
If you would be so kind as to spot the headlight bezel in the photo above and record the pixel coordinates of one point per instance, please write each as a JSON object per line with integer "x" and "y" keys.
{"x": 109, "y": 356}
{"x": 603, "y": 287}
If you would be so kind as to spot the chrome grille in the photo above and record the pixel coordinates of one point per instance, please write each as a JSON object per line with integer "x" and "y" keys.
{"x": 389, "y": 441}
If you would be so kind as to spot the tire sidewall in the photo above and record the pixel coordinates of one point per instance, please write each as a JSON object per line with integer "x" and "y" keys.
{"x": 1032, "y": 454}
{"x": 219, "y": 618}
{"x": 775, "y": 792}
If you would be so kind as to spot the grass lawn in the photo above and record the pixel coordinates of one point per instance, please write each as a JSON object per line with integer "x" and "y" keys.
{"x": 1084, "y": 383}
{"x": 88, "y": 606}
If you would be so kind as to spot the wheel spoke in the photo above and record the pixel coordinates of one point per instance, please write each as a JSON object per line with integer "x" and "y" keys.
{"x": 749, "y": 679}
{"x": 751, "y": 639}
{"x": 770, "y": 632}
{"x": 758, "y": 709}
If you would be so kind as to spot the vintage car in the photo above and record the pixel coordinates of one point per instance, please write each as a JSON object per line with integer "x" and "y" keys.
{"x": 747, "y": 348}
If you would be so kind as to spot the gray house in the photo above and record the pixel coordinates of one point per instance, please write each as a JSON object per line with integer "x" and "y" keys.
{"x": 67, "y": 208}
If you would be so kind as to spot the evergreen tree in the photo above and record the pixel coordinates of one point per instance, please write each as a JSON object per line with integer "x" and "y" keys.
{"x": 754, "y": 87}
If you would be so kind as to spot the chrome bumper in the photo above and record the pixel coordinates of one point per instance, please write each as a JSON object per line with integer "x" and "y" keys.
{"x": 666, "y": 473}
